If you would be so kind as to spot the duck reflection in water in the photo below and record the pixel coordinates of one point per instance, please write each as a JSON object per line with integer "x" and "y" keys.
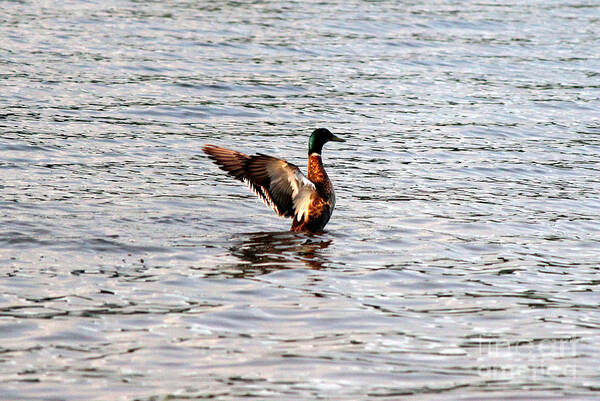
{"x": 263, "y": 252}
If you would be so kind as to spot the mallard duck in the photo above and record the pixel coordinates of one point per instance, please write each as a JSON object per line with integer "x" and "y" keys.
{"x": 281, "y": 185}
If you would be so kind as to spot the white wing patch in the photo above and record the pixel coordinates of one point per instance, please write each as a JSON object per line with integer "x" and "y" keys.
{"x": 302, "y": 202}
{"x": 302, "y": 196}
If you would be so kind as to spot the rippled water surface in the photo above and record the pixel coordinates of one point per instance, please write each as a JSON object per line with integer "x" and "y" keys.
{"x": 462, "y": 261}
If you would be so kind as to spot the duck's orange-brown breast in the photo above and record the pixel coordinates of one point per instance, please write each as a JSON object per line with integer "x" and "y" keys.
{"x": 316, "y": 171}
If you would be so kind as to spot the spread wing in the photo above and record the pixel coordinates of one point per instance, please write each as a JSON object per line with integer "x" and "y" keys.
{"x": 278, "y": 183}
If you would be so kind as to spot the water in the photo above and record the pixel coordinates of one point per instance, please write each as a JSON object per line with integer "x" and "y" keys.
{"x": 462, "y": 260}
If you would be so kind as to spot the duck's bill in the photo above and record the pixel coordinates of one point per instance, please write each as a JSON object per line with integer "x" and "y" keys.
{"x": 337, "y": 139}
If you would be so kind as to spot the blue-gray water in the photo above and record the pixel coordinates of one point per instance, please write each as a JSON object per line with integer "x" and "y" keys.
{"x": 462, "y": 260}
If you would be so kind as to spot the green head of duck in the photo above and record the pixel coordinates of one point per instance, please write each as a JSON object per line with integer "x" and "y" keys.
{"x": 320, "y": 137}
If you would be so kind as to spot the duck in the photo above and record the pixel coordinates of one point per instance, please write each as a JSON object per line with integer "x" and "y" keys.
{"x": 309, "y": 200}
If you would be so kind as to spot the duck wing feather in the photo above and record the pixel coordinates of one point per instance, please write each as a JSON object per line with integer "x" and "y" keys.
{"x": 281, "y": 185}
